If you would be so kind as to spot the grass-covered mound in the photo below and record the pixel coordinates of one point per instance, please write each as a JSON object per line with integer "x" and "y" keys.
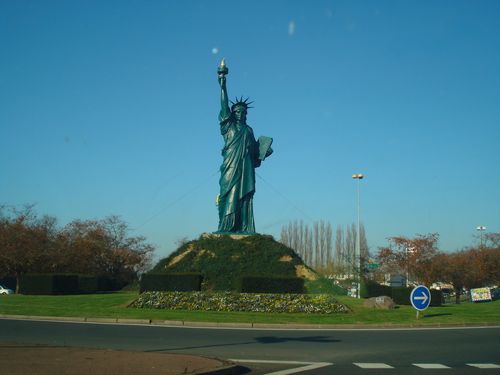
{"x": 322, "y": 285}
{"x": 247, "y": 302}
{"x": 223, "y": 260}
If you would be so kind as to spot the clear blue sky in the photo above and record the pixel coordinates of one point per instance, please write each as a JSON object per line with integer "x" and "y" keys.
{"x": 110, "y": 107}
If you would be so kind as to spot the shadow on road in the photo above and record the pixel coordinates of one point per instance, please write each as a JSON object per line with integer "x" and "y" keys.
{"x": 198, "y": 347}
{"x": 260, "y": 340}
{"x": 275, "y": 340}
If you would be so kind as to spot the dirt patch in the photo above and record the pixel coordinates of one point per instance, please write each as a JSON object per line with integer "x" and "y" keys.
{"x": 303, "y": 271}
{"x": 286, "y": 258}
{"x": 179, "y": 257}
{"x": 202, "y": 252}
{"x": 43, "y": 360}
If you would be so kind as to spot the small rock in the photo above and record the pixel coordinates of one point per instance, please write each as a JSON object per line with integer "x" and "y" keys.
{"x": 382, "y": 302}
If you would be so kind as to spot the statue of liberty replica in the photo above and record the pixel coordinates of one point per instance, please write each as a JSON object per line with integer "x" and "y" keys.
{"x": 241, "y": 155}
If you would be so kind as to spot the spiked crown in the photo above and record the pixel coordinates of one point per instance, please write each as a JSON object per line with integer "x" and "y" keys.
{"x": 240, "y": 103}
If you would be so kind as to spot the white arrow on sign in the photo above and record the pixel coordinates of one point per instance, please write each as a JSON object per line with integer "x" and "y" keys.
{"x": 424, "y": 297}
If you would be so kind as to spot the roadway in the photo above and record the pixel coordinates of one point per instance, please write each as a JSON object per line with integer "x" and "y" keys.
{"x": 408, "y": 351}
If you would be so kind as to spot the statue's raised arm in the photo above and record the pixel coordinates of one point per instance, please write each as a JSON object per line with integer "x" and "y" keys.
{"x": 222, "y": 71}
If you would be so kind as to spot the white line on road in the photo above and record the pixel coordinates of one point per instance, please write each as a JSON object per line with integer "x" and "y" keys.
{"x": 372, "y": 365}
{"x": 308, "y": 365}
{"x": 483, "y": 365}
{"x": 433, "y": 366}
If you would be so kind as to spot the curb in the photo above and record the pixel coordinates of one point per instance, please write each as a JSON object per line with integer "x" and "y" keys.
{"x": 215, "y": 324}
{"x": 282, "y": 326}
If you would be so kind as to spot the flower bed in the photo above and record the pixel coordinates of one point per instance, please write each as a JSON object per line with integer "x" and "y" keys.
{"x": 249, "y": 302}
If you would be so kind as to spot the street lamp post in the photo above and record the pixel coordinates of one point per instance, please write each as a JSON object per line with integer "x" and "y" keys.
{"x": 481, "y": 229}
{"x": 410, "y": 250}
{"x": 358, "y": 176}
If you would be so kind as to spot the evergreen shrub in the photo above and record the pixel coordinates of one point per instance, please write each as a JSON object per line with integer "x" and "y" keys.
{"x": 108, "y": 284}
{"x": 181, "y": 282}
{"x": 401, "y": 295}
{"x": 94, "y": 284}
{"x": 48, "y": 284}
{"x": 436, "y": 297}
{"x": 371, "y": 288}
{"x": 322, "y": 285}
{"x": 88, "y": 283}
{"x": 271, "y": 284}
{"x": 222, "y": 260}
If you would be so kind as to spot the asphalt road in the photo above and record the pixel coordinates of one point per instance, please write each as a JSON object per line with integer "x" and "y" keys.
{"x": 264, "y": 351}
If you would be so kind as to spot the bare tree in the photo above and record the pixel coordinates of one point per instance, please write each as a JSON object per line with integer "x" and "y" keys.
{"x": 321, "y": 240}
{"x": 363, "y": 249}
{"x": 301, "y": 245}
{"x": 309, "y": 246}
{"x": 314, "y": 244}
{"x": 284, "y": 239}
{"x": 339, "y": 250}
{"x": 328, "y": 245}
{"x": 350, "y": 249}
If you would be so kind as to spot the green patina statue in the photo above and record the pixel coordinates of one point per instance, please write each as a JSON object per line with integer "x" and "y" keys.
{"x": 242, "y": 154}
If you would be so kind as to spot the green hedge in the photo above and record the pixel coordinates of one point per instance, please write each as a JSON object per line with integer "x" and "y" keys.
{"x": 400, "y": 295}
{"x": 48, "y": 284}
{"x": 436, "y": 297}
{"x": 266, "y": 284}
{"x": 372, "y": 289}
{"x": 109, "y": 284}
{"x": 88, "y": 283}
{"x": 181, "y": 282}
{"x": 93, "y": 284}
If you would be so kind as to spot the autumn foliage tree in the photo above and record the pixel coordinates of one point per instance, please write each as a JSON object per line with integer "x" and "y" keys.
{"x": 103, "y": 247}
{"x": 29, "y": 243}
{"x": 420, "y": 258}
{"x": 470, "y": 268}
{"x": 410, "y": 256}
{"x": 26, "y": 242}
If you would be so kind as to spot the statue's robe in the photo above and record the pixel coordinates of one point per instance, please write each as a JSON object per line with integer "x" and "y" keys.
{"x": 237, "y": 180}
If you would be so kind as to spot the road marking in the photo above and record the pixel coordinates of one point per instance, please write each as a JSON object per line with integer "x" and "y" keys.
{"x": 308, "y": 365}
{"x": 430, "y": 365}
{"x": 483, "y": 365}
{"x": 372, "y": 365}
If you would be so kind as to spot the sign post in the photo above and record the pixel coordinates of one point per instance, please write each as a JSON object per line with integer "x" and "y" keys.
{"x": 420, "y": 298}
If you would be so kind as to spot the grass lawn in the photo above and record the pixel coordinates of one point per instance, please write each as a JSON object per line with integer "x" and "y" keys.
{"x": 114, "y": 305}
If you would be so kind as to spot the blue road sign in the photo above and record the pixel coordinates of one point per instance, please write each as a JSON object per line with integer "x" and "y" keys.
{"x": 420, "y": 297}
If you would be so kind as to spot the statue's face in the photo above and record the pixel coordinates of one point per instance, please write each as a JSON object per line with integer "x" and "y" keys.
{"x": 240, "y": 114}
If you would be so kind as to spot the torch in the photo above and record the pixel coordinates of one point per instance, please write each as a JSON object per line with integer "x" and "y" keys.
{"x": 222, "y": 70}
